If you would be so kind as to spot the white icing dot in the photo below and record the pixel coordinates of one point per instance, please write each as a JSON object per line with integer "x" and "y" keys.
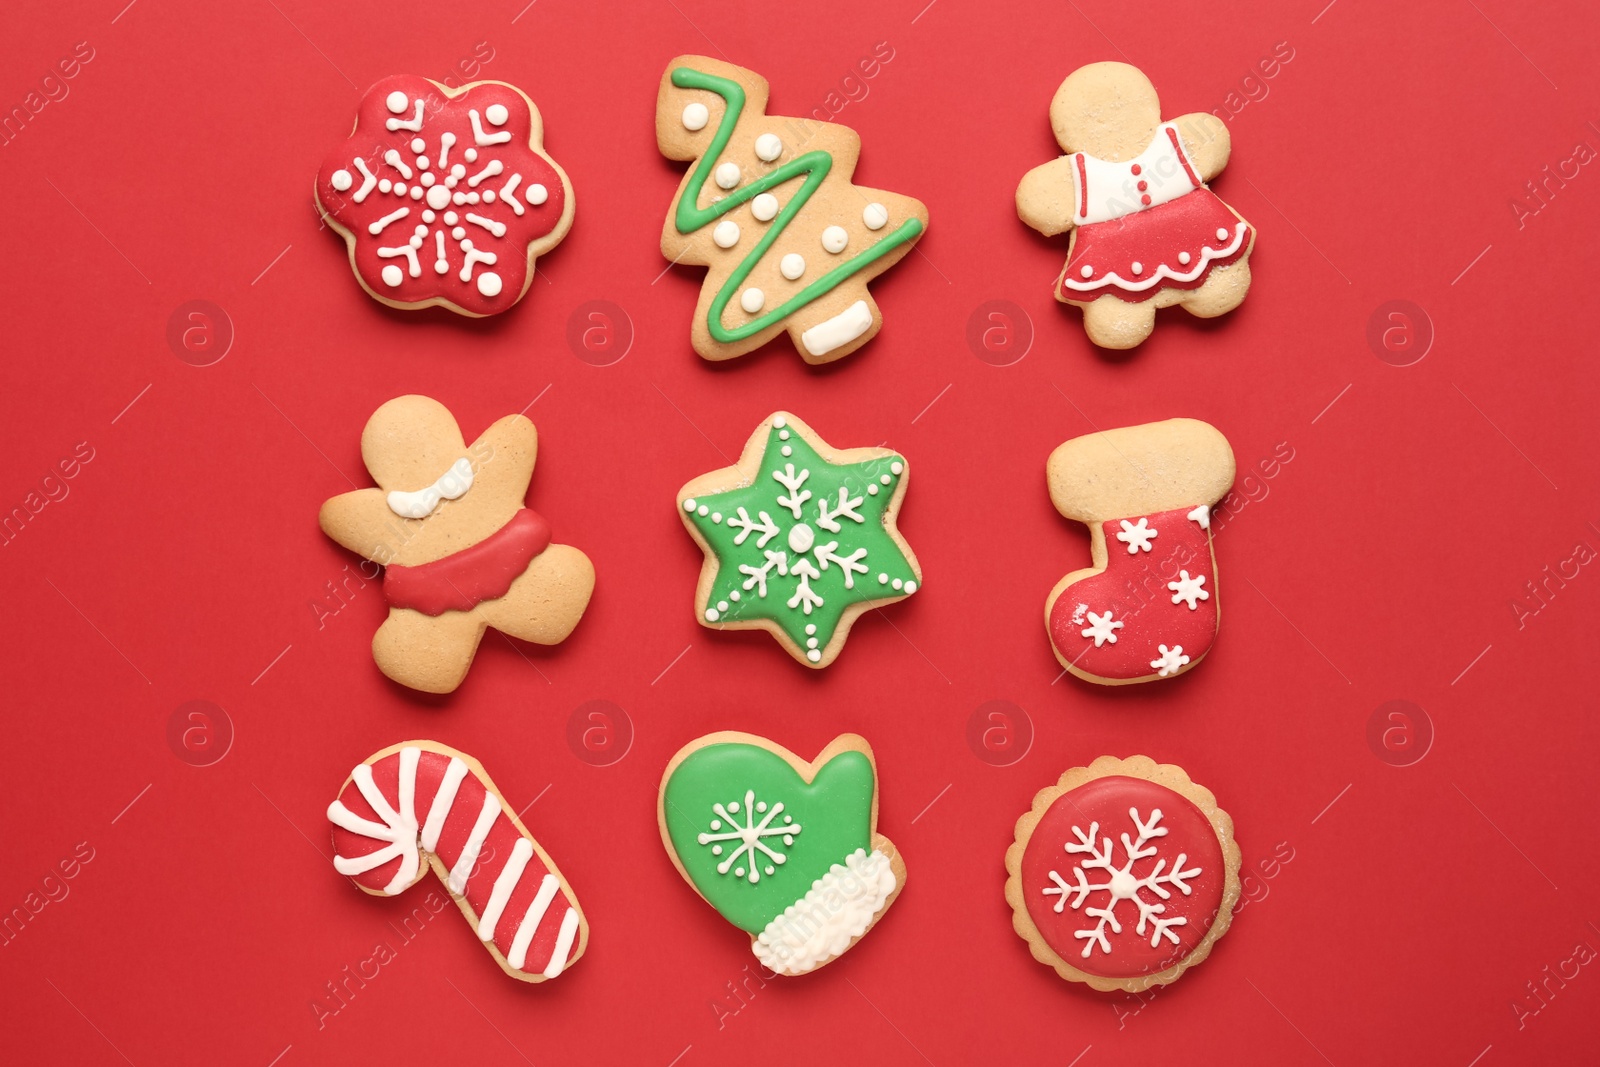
{"x": 536, "y": 194}
{"x": 770, "y": 869}
{"x": 733, "y": 595}
{"x": 811, "y": 628}
{"x": 834, "y": 239}
{"x": 801, "y": 537}
{"x": 497, "y": 114}
{"x": 392, "y": 275}
{"x": 884, "y": 478}
{"x": 897, "y": 583}
{"x": 689, "y": 505}
{"x": 711, "y": 616}
{"x": 752, "y": 299}
{"x": 416, "y": 242}
{"x": 418, "y": 145}
{"x": 420, "y": 231}
{"x": 1222, "y": 235}
{"x": 428, "y": 216}
{"x": 458, "y": 171}
{"x": 1137, "y": 267}
{"x": 342, "y": 180}
{"x": 441, "y": 266}
{"x": 473, "y": 198}
{"x": 459, "y": 232}
{"x": 814, "y": 656}
{"x": 872, "y": 490}
{"x": 428, "y": 179}
{"x": 722, "y": 605}
{"x": 451, "y": 218}
{"x": 761, "y": 805}
{"x": 716, "y": 516}
{"x": 695, "y": 116}
{"x": 811, "y": 642}
{"x": 769, "y": 146}
{"x": 787, "y": 450}
{"x": 897, "y": 467}
{"x": 716, "y": 850}
{"x": 488, "y": 196}
{"x": 458, "y": 199}
{"x": 716, "y": 824}
{"x": 416, "y": 192}
{"x": 702, "y": 511}
{"x": 726, "y": 235}
{"x": 883, "y": 579}
{"x": 397, "y": 102}
{"x": 792, "y": 265}
{"x": 1087, "y": 271}
{"x": 911, "y": 587}
{"x": 764, "y": 207}
{"x": 422, "y": 164}
{"x": 471, "y": 155}
{"x": 783, "y": 435}
{"x": 734, "y": 807}
{"x": 788, "y": 839}
{"x": 384, "y": 185}
{"x": 875, "y": 216}
{"x": 438, "y": 197}
{"x": 1183, "y": 257}
{"x": 489, "y": 283}
{"x": 780, "y": 422}
{"x": 727, "y": 175}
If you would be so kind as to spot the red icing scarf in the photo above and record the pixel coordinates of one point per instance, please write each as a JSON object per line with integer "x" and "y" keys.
{"x": 463, "y": 580}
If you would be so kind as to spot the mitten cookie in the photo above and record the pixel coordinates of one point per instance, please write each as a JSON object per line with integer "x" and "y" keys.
{"x": 422, "y": 798}
{"x": 1146, "y": 231}
{"x": 787, "y": 850}
{"x": 445, "y": 196}
{"x": 800, "y": 538}
{"x": 460, "y": 548}
{"x": 1131, "y": 917}
{"x": 1148, "y": 606}
{"x": 768, "y": 206}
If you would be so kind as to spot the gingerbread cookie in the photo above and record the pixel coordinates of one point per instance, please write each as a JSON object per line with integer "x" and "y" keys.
{"x": 445, "y": 196}
{"x": 799, "y": 538}
{"x": 1147, "y": 608}
{"x": 1146, "y": 231}
{"x": 787, "y": 850}
{"x": 1127, "y": 918}
{"x": 422, "y": 798}
{"x": 460, "y": 548}
{"x": 769, "y": 207}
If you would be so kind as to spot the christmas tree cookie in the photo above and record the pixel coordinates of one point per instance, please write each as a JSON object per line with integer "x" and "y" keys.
{"x": 769, "y": 207}
{"x": 799, "y": 538}
{"x": 785, "y": 849}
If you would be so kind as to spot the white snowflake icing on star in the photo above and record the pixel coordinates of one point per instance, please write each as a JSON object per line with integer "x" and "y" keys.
{"x": 755, "y": 853}
{"x": 1171, "y": 659}
{"x": 1137, "y": 538}
{"x": 1101, "y": 628}
{"x": 1121, "y": 884}
{"x": 1188, "y": 590}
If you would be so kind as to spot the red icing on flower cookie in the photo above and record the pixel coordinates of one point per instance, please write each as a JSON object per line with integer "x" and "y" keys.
{"x": 445, "y": 196}
{"x": 1123, "y": 877}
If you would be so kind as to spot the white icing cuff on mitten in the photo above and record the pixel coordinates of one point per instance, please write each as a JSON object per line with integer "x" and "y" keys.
{"x": 823, "y": 923}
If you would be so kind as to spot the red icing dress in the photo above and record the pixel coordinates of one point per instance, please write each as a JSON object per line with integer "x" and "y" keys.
{"x": 1146, "y": 225}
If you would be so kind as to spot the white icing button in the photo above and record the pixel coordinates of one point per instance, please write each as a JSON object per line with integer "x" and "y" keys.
{"x": 695, "y": 116}
{"x": 399, "y": 188}
{"x": 451, "y": 218}
{"x": 883, "y": 579}
{"x": 792, "y": 266}
{"x": 459, "y": 232}
{"x": 884, "y": 478}
{"x": 488, "y": 196}
{"x": 428, "y": 179}
{"x": 814, "y": 656}
{"x": 497, "y": 114}
{"x": 897, "y": 467}
{"x": 722, "y": 605}
{"x": 1137, "y": 268}
{"x": 811, "y": 642}
{"x": 418, "y": 145}
{"x": 702, "y": 511}
{"x": 769, "y": 146}
{"x": 1183, "y": 257}
{"x": 764, "y": 207}
{"x": 392, "y": 275}
{"x": 897, "y": 583}
{"x": 911, "y": 587}
{"x": 423, "y": 164}
{"x": 489, "y": 283}
{"x": 811, "y": 628}
{"x": 397, "y": 102}
{"x": 416, "y": 192}
{"x": 438, "y": 197}
{"x": 872, "y": 490}
{"x": 472, "y": 157}
{"x": 787, "y": 450}
{"x": 783, "y": 435}
{"x": 711, "y": 615}
{"x": 1222, "y": 235}
{"x": 689, "y": 505}
{"x": 876, "y": 216}
{"x": 384, "y": 185}
{"x": 342, "y": 180}
{"x": 733, "y": 595}
{"x": 728, "y": 175}
{"x": 726, "y": 235}
{"x": 441, "y": 266}
{"x": 834, "y": 239}
{"x": 780, "y": 422}
{"x": 752, "y": 300}
{"x": 428, "y": 216}
{"x": 536, "y": 194}
{"x": 1088, "y": 271}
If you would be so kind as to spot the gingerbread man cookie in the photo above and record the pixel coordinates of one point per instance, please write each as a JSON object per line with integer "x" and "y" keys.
{"x": 461, "y": 550}
{"x": 1147, "y": 608}
{"x": 445, "y": 196}
{"x": 769, "y": 207}
{"x": 1146, "y": 231}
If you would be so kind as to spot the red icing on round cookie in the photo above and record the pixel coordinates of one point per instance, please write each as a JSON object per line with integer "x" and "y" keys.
{"x": 1109, "y": 821}
{"x": 446, "y": 182}
{"x": 463, "y": 580}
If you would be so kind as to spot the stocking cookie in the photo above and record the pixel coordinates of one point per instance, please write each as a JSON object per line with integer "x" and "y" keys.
{"x": 800, "y": 538}
{"x": 1123, "y": 874}
{"x": 1147, "y": 608}
{"x": 1146, "y": 231}
{"x": 787, "y": 850}
{"x": 422, "y": 800}
{"x": 445, "y": 196}
{"x": 460, "y": 548}
{"x": 769, "y": 207}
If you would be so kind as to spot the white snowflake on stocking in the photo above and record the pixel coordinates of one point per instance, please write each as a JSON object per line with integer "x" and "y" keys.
{"x": 755, "y": 853}
{"x": 1137, "y": 538}
{"x": 1121, "y": 884}
{"x": 1102, "y": 629}
{"x": 1187, "y": 590}
{"x": 1171, "y": 659}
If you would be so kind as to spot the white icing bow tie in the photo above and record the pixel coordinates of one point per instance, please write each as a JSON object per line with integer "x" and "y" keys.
{"x": 419, "y": 504}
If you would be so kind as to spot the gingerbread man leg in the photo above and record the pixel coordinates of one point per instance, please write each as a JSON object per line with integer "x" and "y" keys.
{"x": 427, "y": 652}
{"x": 1112, "y": 322}
{"x": 1224, "y": 289}
{"x": 546, "y": 602}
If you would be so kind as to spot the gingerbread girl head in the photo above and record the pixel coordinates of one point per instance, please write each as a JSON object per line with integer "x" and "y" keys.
{"x": 1147, "y": 233}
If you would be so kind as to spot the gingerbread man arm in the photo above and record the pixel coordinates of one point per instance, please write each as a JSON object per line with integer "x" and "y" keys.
{"x": 1206, "y": 141}
{"x": 362, "y": 522}
{"x": 1046, "y": 196}
{"x": 503, "y": 456}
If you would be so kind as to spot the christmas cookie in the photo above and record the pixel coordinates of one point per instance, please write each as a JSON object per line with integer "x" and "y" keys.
{"x": 1146, "y": 231}
{"x": 462, "y": 550}
{"x": 1147, "y": 608}
{"x": 769, "y": 207}
{"x": 787, "y": 850}
{"x": 799, "y": 538}
{"x": 422, "y": 799}
{"x": 1123, "y": 874}
{"x": 445, "y": 196}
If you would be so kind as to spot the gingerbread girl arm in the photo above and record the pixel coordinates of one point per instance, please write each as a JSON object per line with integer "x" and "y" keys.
{"x": 1046, "y": 196}
{"x": 1206, "y": 141}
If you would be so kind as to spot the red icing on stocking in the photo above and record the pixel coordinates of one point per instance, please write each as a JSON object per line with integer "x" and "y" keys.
{"x": 1153, "y": 610}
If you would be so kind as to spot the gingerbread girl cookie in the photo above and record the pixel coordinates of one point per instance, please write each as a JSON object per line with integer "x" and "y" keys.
{"x": 445, "y": 196}
{"x": 1147, "y": 608}
{"x": 460, "y": 548}
{"x": 1146, "y": 231}
{"x": 1131, "y": 917}
{"x": 769, "y": 207}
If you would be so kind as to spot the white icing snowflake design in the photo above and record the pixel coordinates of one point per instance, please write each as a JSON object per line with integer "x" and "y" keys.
{"x": 755, "y": 854}
{"x": 1188, "y": 590}
{"x": 1121, "y": 884}
{"x": 1171, "y": 659}
{"x": 1102, "y": 628}
{"x": 1137, "y": 538}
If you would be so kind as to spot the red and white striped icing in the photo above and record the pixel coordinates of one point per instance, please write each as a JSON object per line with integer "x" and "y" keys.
{"x": 418, "y": 800}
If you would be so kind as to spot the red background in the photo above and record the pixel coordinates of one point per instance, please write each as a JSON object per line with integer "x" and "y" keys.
{"x": 1380, "y": 563}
